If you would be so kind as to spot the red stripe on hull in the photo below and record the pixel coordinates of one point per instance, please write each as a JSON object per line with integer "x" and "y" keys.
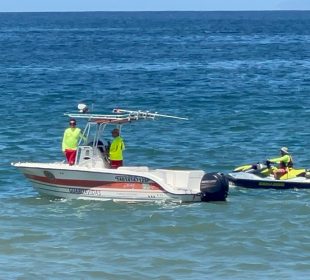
{"x": 96, "y": 184}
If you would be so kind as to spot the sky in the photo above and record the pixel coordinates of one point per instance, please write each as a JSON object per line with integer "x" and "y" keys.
{"x": 150, "y": 5}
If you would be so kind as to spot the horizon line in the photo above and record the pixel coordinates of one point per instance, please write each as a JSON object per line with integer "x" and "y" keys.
{"x": 156, "y": 11}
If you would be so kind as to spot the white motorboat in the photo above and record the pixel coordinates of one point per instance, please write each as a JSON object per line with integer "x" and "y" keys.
{"x": 92, "y": 178}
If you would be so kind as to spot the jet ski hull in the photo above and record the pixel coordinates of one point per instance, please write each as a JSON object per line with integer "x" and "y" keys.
{"x": 242, "y": 179}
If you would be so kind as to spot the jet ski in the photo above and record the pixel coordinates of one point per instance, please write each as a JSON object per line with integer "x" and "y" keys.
{"x": 260, "y": 176}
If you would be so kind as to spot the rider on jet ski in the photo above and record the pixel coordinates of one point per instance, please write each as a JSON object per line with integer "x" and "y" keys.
{"x": 285, "y": 161}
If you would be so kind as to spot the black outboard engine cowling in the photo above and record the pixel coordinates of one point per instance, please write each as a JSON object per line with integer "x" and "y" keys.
{"x": 214, "y": 187}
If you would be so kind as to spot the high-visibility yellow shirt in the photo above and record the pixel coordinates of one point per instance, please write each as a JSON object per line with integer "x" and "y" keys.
{"x": 286, "y": 159}
{"x": 116, "y": 149}
{"x": 71, "y": 138}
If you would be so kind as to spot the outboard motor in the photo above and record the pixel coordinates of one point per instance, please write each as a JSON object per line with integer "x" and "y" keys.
{"x": 214, "y": 187}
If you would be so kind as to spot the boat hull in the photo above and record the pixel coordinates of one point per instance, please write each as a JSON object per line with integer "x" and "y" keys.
{"x": 63, "y": 181}
{"x": 106, "y": 194}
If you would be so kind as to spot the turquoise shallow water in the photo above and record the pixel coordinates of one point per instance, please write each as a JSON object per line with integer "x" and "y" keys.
{"x": 241, "y": 78}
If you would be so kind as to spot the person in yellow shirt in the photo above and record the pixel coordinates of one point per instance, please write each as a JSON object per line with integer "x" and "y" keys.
{"x": 284, "y": 162}
{"x": 116, "y": 150}
{"x": 70, "y": 141}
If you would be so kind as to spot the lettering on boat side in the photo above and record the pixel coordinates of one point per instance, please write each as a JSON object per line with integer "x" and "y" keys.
{"x": 271, "y": 184}
{"x": 83, "y": 191}
{"x": 129, "y": 178}
{"x": 159, "y": 195}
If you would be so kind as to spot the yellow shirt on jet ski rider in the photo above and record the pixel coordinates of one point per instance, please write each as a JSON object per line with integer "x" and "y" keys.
{"x": 284, "y": 162}
{"x": 285, "y": 158}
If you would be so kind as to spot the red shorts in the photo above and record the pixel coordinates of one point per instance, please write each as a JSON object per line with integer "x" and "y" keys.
{"x": 70, "y": 155}
{"x": 116, "y": 163}
{"x": 281, "y": 171}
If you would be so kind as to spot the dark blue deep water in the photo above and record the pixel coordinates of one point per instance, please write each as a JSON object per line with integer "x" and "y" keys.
{"x": 243, "y": 79}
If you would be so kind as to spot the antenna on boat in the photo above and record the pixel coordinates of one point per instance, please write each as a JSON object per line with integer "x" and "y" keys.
{"x": 146, "y": 114}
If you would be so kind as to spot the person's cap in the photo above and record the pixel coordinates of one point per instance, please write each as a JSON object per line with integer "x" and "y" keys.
{"x": 284, "y": 150}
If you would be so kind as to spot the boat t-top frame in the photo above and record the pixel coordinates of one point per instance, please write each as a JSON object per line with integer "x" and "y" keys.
{"x": 121, "y": 116}
{"x": 91, "y": 149}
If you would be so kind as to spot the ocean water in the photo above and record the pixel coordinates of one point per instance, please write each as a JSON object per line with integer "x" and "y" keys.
{"x": 242, "y": 78}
